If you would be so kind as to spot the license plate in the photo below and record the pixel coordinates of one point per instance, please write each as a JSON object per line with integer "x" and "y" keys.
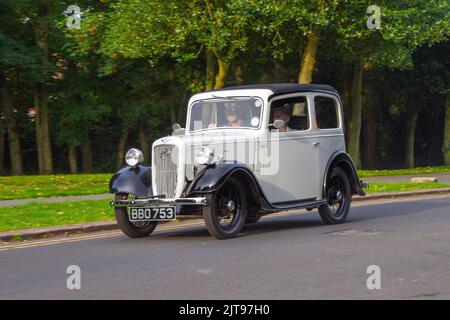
{"x": 151, "y": 213}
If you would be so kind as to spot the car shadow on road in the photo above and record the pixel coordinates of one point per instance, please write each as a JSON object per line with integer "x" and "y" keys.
{"x": 266, "y": 225}
{"x": 270, "y": 224}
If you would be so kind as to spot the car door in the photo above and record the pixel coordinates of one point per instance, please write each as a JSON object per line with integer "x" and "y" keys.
{"x": 329, "y": 123}
{"x": 293, "y": 155}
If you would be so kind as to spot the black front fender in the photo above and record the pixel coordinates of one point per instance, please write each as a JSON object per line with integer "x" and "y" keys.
{"x": 212, "y": 178}
{"x": 136, "y": 180}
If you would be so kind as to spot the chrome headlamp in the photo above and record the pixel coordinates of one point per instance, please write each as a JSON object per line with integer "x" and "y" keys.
{"x": 204, "y": 155}
{"x": 134, "y": 157}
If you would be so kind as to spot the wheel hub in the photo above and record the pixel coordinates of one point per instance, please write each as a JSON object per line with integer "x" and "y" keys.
{"x": 230, "y": 206}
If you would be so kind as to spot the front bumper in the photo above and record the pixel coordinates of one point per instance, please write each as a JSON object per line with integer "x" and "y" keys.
{"x": 143, "y": 202}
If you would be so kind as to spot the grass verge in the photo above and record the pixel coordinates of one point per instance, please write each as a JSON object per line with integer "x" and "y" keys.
{"x": 40, "y": 215}
{"x": 401, "y": 172}
{"x": 24, "y": 187}
{"x": 380, "y": 187}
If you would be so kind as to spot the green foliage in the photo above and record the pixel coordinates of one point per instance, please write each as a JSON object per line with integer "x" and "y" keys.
{"x": 134, "y": 63}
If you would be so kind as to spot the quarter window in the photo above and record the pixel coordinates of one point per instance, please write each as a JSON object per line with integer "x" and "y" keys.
{"x": 326, "y": 113}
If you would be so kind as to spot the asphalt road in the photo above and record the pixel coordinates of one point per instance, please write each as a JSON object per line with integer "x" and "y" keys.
{"x": 286, "y": 256}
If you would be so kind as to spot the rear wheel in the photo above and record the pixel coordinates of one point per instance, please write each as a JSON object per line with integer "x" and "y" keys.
{"x": 132, "y": 229}
{"x": 338, "y": 198}
{"x": 226, "y": 210}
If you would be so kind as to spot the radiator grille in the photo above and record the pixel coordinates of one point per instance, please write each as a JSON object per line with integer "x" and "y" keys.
{"x": 166, "y": 158}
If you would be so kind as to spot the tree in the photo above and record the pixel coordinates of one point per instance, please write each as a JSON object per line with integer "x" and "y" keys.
{"x": 18, "y": 64}
{"x": 406, "y": 25}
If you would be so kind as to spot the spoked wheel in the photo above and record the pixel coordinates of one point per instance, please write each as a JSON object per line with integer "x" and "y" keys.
{"x": 338, "y": 197}
{"x": 226, "y": 210}
{"x": 136, "y": 229}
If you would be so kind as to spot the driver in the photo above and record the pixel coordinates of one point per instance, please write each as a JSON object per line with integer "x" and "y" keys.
{"x": 232, "y": 115}
{"x": 282, "y": 113}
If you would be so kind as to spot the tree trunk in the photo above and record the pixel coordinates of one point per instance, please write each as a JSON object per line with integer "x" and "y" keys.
{"x": 39, "y": 142}
{"x": 144, "y": 145}
{"x": 309, "y": 59}
{"x": 42, "y": 130}
{"x": 446, "y": 142}
{"x": 41, "y": 98}
{"x": 2, "y": 153}
{"x": 410, "y": 135}
{"x": 355, "y": 122}
{"x": 73, "y": 164}
{"x": 86, "y": 155}
{"x": 347, "y": 99}
{"x": 121, "y": 148}
{"x": 210, "y": 66}
{"x": 238, "y": 75}
{"x": 222, "y": 73}
{"x": 15, "y": 148}
{"x": 370, "y": 135}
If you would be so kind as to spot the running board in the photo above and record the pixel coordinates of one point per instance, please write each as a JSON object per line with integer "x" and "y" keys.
{"x": 297, "y": 205}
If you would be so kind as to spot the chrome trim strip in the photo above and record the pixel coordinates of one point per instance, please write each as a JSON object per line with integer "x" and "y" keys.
{"x": 201, "y": 201}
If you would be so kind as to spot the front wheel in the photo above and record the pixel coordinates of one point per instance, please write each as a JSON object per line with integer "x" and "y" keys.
{"x": 226, "y": 210}
{"x": 338, "y": 198}
{"x": 132, "y": 229}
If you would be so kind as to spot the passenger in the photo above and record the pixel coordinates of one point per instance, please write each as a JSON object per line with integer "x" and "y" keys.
{"x": 282, "y": 114}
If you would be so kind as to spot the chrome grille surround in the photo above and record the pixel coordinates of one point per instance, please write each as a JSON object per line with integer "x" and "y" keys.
{"x": 166, "y": 169}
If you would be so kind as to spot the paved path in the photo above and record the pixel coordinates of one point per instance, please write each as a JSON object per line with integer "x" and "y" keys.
{"x": 442, "y": 177}
{"x": 284, "y": 256}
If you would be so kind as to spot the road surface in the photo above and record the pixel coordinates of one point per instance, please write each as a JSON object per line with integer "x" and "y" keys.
{"x": 284, "y": 256}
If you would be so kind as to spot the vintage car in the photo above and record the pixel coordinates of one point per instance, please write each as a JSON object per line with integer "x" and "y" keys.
{"x": 246, "y": 151}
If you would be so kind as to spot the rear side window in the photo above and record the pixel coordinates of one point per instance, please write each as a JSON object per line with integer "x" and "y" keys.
{"x": 326, "y": 113}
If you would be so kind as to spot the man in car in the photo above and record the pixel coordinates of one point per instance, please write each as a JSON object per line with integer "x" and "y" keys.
{"x": 233, "y": 116}
{"x": 282, "y": 113}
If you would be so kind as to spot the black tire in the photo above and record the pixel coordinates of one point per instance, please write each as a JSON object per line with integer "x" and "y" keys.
{"x": 339, "y": 197}
{"x": 230, "y": 202}
{"x": 133, "y": 230}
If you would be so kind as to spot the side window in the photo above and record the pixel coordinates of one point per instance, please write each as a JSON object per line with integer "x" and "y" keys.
{"x": 326, "y": 113}
{"x": 293, "y": 111}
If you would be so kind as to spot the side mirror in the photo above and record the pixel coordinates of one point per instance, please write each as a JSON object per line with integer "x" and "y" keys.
{"x": 278, "y": 124}
{"x": 177, "y": 130}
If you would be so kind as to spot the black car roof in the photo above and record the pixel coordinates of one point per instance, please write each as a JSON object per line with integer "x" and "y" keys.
{"x": 283, "y": 88}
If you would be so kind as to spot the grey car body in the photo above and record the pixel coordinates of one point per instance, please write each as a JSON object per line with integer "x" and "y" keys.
{"x": 272, "y": 169}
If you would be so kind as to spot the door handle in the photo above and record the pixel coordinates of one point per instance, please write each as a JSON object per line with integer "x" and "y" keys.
{"x": 316, "y": 143}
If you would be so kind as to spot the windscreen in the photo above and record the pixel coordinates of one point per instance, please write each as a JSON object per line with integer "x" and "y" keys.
{"x": 230, "y": 112}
